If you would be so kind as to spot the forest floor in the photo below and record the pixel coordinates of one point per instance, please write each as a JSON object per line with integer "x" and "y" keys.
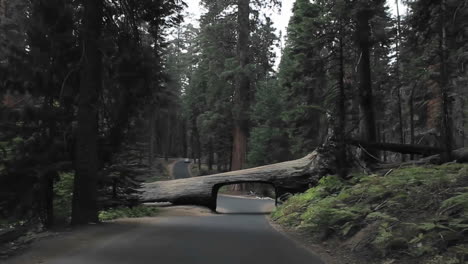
{"x": 407, "y": 215}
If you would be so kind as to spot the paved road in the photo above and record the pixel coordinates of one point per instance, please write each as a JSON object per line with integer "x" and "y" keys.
{"x": 238, "y": 237}
{"x": 180, "y": 170}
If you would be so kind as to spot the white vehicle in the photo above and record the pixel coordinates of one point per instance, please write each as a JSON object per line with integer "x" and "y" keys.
{"x": 187, "y": 160}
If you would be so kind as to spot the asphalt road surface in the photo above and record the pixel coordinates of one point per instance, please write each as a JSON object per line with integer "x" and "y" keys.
{"x": 180, "y": 170}
{"x": 240, "y": 236}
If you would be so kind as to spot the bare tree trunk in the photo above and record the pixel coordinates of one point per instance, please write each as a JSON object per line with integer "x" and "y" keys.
{"x": 368, "y": 132}
{"x": 184, "y": 138}
{"x": 446, "y": 130}
{"x": 341, "y": 128}
{"x": 151, "y": 137}
{"x": 85, "y": 209}
{"x": 210, "y": 155}
{"x": 411, "y": 108}
{"x": 196, "y": 145}
{"x": 192, "y": 146}
{"x": 167, "y": 139}
{"x": 400, "y": 111}
{"x": 219, "y": 161}
{"x": 49, "y": 199}
{"x": 384, "y": 152}
{"x": 241, "y": 96}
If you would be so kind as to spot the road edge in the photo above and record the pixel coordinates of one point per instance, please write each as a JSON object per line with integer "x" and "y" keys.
{"x": 170, "y": 167}
{"x": 301, "y": 241}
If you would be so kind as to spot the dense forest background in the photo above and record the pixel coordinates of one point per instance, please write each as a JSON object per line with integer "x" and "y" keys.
{"x": 94, "y": 91}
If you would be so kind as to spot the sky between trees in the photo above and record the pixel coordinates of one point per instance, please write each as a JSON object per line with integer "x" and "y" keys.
{"x": 281, "y": 19}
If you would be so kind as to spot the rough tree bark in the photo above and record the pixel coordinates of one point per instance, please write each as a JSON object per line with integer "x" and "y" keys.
{"x": 85, "y": 185}
{"x": 411, "y": 109}
{"x": 341, "y": 127}
{"x": 400, "y": 110}
{"x": 241, "y": 96}
{"x": 444, "y": 83}
{"x": 368, "y": 131}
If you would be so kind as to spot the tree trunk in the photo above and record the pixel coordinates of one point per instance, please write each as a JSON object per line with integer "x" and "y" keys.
{"x": 85, "y": 209}
{"x": 167, "y": 138}
{"x": 192, "y": 146}
{"x": 446, "y": 130}
{"x": 210, "y": 155}
{"x": 400, "y": 110}
{"x": 49, "y": 199}
{"x": 241, "y": 96}
{"x": 197, "y": 145}
{"x": 219, "y": 162}
{"x": 341, "y": 128}
{"x": 384, "y": 152}
{"x": 368, "y": 131}
{"x": 184, "y": 138}
{"x": 411, "y": 108}
{"x": 151, "y": 137}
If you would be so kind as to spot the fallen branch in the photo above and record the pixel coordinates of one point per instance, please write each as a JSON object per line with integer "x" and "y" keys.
{"x": 459, "y": 155}
{"x": 393, "y": 147}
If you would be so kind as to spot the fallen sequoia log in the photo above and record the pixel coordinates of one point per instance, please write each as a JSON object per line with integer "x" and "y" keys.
{"x": 290, "y": 176}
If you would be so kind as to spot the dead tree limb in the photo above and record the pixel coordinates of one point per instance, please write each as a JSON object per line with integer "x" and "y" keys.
{"x": 393, "y": 147}
{"x": 459, "y": 155}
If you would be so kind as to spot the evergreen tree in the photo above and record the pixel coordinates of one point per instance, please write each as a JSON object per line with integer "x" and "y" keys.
{"x": 302, "y": 74}
{"x": 268, "y": 142}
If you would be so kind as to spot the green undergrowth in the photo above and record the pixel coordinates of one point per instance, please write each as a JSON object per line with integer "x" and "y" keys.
{"x": 126, "y": 212}
{"x": 416, "y": 214}
{"x": 63, "y": 189}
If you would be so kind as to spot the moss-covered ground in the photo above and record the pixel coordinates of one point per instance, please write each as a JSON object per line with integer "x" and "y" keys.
{"x": 408, "y": 215}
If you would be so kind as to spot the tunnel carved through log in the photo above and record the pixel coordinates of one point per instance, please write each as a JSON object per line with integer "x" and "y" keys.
{"x": 285, "y": 176}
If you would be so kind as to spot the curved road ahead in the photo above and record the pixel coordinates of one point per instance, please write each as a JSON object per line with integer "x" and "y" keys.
{"x": 242, "y": 236}
{"x": 181, "y": 170}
